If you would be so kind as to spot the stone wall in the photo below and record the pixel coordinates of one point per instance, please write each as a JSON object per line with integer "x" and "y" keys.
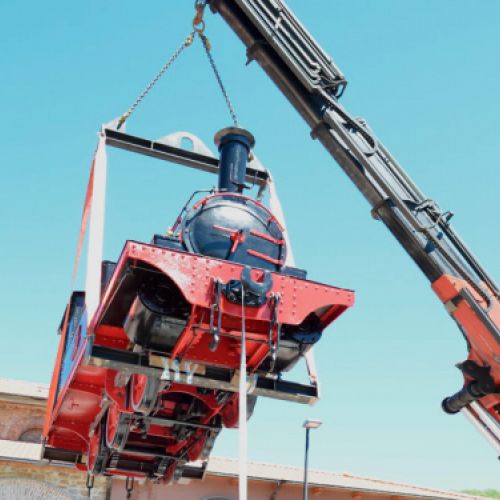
{"x": 17, "y": 418}
{"x": 37, "y": 481}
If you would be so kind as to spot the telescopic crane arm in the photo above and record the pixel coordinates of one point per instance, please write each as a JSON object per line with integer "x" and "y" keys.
{"x": 313, "y": 84}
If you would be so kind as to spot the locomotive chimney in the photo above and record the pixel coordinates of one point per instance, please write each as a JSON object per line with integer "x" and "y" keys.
{"x": 234, "y": 147}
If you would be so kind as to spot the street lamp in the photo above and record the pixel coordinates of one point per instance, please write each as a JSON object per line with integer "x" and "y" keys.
{"x": 308, "y": 425}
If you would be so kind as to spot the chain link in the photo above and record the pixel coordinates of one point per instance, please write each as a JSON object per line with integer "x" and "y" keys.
{"x": 129, "y": 486}
{"x": 90, "y": 484}
{"x": 198, "y": 28}
{"x": 207, "y": 47}
{"x": 187, "y": 42}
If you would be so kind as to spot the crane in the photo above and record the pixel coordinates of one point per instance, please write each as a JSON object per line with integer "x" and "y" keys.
{"x": 314, "y": 84}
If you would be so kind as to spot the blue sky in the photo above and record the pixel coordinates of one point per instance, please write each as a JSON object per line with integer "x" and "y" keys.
{"x": 426, "y": 76}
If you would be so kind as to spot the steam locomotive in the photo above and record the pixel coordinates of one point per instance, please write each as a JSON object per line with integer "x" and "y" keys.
{"x": 144, "y": 386}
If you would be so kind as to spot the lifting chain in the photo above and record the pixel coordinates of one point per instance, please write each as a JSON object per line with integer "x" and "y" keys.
{"x": 187, "y": 42}
{"x": 198, "y": 29}
{"x": 274, "y": 346}
{"x": 207, "y": 47}
{"x": 215, "y": 330}
{"x": 90, "y": 483}
{"x": 129, "y": 486}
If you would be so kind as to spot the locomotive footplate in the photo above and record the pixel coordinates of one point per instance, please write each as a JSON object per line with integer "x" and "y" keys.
{"x": 161, "y": 300}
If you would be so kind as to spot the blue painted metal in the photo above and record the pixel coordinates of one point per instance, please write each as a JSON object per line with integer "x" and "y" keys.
{"x": 75, "y": 336}
{"x": 234, "y": 147}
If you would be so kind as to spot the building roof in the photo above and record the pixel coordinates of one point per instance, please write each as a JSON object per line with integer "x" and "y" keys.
{"x": 18, "y": 450}
{"x": 33, "y": 393}
{"x": 19, "y": 390}
{"x": 332, "y": 480}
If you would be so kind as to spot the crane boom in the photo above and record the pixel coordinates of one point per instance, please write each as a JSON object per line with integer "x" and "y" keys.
{"x": 313, "y": 84}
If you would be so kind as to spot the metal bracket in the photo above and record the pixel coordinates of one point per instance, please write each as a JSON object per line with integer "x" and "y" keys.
{"x": 311, "y": 368}
{"x": 274, "y": 346}
{"x": 255, "y": 291}
{"x": 176, "y": 139}
{"x": 204, "y": 376}
{"x": 215, "y": 330}
{"x": 161, "y": 468}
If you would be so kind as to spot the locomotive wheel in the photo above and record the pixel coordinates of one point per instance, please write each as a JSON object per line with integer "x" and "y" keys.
{"x": 230, "y": 414}
{"x": 209, "y": 444}
{"x": 117, "y": 428}
{"x": 173, "y": 471}
{"x": 143, "y": 393}
{"x": 197, "y": 447}
{"x": 97, "y": 453}
{"x": 202, "y": 446}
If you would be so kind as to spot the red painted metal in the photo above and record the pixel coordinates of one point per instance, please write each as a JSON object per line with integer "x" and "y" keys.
{"x": 92, "y": 402}
{"x": 235, "y": 236}
{"x": 264, "y": 236}
{"x": 264, "y": 257}
{"x": 112, "y": 422}
{"x": 138, "y": 386}
{"x": 94, "y": 448}
{"x": 484, "y": 348}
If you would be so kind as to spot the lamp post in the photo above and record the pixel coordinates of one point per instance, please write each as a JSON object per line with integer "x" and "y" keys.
{"x": 308, "y": 425}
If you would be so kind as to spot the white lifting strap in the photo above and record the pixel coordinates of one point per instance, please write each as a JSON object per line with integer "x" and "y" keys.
{"x": 96, "y": 230}
{"x": 275, "y": 206}
{"x": 277, "y": 210}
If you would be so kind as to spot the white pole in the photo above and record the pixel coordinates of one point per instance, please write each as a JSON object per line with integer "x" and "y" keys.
{"x": 242, "y": 483}
{"x": 277, "y": 210}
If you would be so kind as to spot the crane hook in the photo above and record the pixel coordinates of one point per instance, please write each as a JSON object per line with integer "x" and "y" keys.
{"x": 198, "y": 22}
